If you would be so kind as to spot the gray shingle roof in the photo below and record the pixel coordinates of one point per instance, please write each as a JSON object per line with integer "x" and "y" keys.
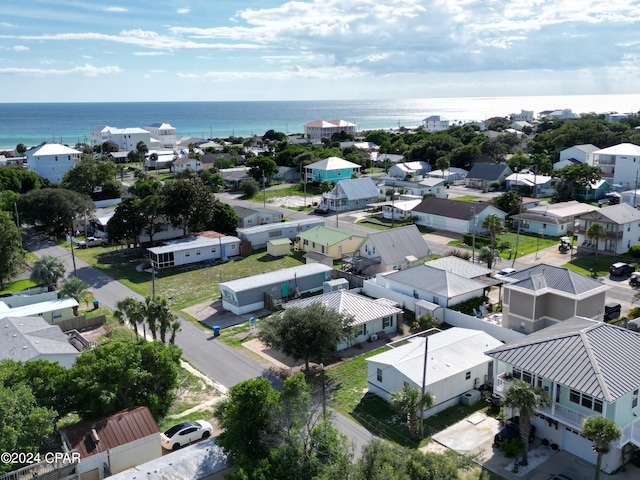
{"x": 393, "y": 246}
{"x": 26, "y": 338}
{"x": 449, "y": 208}
{"x": 488, "y": 171}
{"x": 545, "y": 276}
{"x": 593, "y": 357}
{"x": 459, "y": 266}
{"x": 620, "y": 214}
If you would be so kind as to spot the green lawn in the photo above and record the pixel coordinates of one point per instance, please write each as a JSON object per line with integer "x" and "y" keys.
{"x": 467, "y": 198}
{"x": 600, "y": 264}
{"x": 289, "y": 190}
{"x": 189, "y": 285}
{"x": 526, "y": 244}
{"x": 17, "y": 286}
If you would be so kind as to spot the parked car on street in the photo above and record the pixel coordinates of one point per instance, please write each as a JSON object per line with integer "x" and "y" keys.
{"x": 621, "y": 269}
{"x": 321, "y": 210}
{"x": 185, "y": 433}
{"x": 93, "y": 242}
{"x": 634, "y": 280}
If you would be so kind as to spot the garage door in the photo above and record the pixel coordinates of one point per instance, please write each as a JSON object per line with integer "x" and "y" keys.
{"x": 577, "y": 445}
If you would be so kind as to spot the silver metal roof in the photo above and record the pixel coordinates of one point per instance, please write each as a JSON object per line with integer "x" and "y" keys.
{"x": 395, "y": 245}
{"x": 593, "y": 357}
{"x": 545, "y": 276}
{"x": 441, "y": 282}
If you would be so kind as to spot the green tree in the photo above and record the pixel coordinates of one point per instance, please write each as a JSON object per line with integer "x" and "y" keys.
{"x": 244, "y": 419}
{"x": 21, "y": 149}
{"x": 489, "y": 256}
{"x": 130, "y": 310}
{"x": 223, "y": 218}
{"x": 574, "y": 179}
{"x": 526, "y": 398}
{"x": 123, "y": 374}
{"x": 23, "y": 424}
{"x": 493, "y": 223}
{"x": 76, "y": 289}
{"x": 596, "y": 232}
{"x": 142, "y": 150}
{"x": 634, "y": 252}
{"x": 410, "y": 401}
{"x": 20, "y": 180}
{"x": 442, "y": 163}
{"x": 188, "y": 204}
{"x": 175, "y": 328}
{"x": 109, "y": 147}
{"x": 11, "y": 252}
{"x": 46, "y": 271}
{"x": 262, "y": 167}
{"x": 249, "y": 187}
{"x": 54, "y": 208}
{"x": 127, "y": 222}
{"x": 306, "y": 333}
{"x": 602, "y": 432}
{"x": 88, "y": 175}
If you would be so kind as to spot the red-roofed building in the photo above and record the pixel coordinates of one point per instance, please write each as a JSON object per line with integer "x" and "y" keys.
{"x": 320, "y": 129}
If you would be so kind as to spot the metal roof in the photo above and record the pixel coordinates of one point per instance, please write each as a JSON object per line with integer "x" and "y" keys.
{"x": 628, "y": 149}
{"x": 35, "y": 309}
{"x": 459, "y": 266}
{"x": 27, "y": 338}
{"x": 268, "y": 227}
{"x": 621, "y": 214}
{"x": 451, "y": 351}
{"x": 395, "y": 245}
{"x": 115, "y": 430}
{"x": 193, "y": 242}
{"x": 363, "y": 309}
{"x": 440, "y": 282}
{"x": 593, "y": 357}
{"x": 549, "y": 277}
{"x": 357, "y": 188}
{"x": 269, "y": 278}
{"x": 332, "y": 163}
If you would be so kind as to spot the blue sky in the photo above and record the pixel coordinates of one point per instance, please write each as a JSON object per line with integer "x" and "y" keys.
{"x": 142, "y": 50}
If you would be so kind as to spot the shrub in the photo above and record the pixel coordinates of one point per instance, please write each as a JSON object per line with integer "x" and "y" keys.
{"x": 249, "y": 187}
{"x": 464, "y": 254}
{"x": 425, "y": 322}
{"x": 511, "y": 447}
{"x": 633, "y": 313}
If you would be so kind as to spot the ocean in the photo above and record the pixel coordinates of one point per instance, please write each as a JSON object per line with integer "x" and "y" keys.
{"x": 70, "y": 123}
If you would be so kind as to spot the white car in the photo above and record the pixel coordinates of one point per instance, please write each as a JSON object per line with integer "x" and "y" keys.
{"x": 184, "y": 433}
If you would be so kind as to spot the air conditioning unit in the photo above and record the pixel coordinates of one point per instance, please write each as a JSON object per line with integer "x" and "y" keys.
{"x": 373, "y": 337}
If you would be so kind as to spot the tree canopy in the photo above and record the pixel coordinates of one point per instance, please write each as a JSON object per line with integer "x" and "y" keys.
{"x": 53, "y": 208}
{"x": 11, "y": 252}
{"x": 20, "y": 180}
{"x": 602, "y": 431}
{"x": 47, "y": 271}
{"x": 88, "y": 175}
{"x": 310, "y": 333}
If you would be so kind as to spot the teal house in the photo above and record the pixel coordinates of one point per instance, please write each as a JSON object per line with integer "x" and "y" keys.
{"x": 331, "y": 169}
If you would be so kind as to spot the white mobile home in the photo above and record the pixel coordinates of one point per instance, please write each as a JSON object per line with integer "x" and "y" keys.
{"x": 194, "y": 250}
{"x": 247, "y": 294}
{"x": 456, "y": 365}
{"x": 259, "y": 236}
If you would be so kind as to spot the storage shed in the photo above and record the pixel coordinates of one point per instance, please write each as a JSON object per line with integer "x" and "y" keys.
{"x": 279, "y": 247}
{"x": 247, "y": 294}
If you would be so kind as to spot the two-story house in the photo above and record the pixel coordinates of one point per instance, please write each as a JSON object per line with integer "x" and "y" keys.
{"x": 543, "y": 295}
{"x": 620, "y": 164}
{"x": 435, "y": 123}
{"x": 331, "y": 169}
{"x": 413, "y": 171}
{"x": 555, "y": 219}
{"x": 319, "y": 129}
{"x": 584, "y": 368}
{"x": 351, "y": 194}
{"x": 52, "y": 160}
{"x": 621, "y": 223}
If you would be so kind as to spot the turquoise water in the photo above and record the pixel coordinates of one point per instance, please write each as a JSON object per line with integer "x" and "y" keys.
{"x": 70, "y": 123}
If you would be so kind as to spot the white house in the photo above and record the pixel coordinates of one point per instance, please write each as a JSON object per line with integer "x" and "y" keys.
{"x": 620, "y": 164}
{"x": 577, "y": 152}
{"x": 259, "y": 235}
{"x": 523, "y": 116}
{"x": 371, "y": 317}
{"x": 455, "y": 365}
{"x": 33, "y": 338}
{"x": 399, "y": 210}
{"x": 125, "y": 138}
{"x": 435, "y": 123}
{"x": 410, "y": 170}
{"x": 554, "y": 219}
{"x": 319, "y": 129}
{"x": 453, "y": 215}
{"x": 208, "y": 246}
{"x": 540, "y": 185}
{"x": 427, "y": 186}
{"x": 52, "y": 160}
{"x": 185, "y": 163}
{"x": 163, "y": 134}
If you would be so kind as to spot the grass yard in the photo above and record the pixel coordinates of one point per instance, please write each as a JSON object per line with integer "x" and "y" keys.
{"x": 600, "y": 264}
{"x": 17, "y": 286}
{"x": 526, "y": 244}
{"x": 289, "y": 190}
{"x": 187, "y": 286}
{"x": 467, "y": 198}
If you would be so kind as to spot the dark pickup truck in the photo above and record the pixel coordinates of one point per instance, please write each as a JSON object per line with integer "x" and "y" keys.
{"x": 512, "y": 430}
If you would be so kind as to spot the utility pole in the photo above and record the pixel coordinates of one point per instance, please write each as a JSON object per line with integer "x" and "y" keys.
{"x": 73, "y": 255}
{"x": 153, "y": 277}
{"x": 473, "y": 246}
{"x": 393, "y": 205}
{"x": 264, "y": 190}
{"x": 335, "y": 201}
{"x": 324, "y": 394}
{"x": 424, "y": 383}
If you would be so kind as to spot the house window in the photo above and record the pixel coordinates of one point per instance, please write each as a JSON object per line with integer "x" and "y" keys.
{"x": 276, "y": 233}
{"x": 586, "y": 401}
{"x": 313, "y": 244}
{"x": 379, "y": 374}
{"x": 436, "y": 300}
{"x": 634, "y": 402}
{"x": 388, "y": 322}
{"x": 197, "y": 252}
{"x": 233, "y": 247}
{"x": 322, "y": 249}
{"x": 416, "y": 294}
{"x": 305, "y": 242}
{"x": 187, "y": 254}
{"x": 249, "y": 221}
{"x": 213, "y": 250}
{"x": 467, "y": 376}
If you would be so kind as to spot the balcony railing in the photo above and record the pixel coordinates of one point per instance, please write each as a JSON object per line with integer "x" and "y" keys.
{"x": 504, "y": 381}
{"x": 564, "y": 414}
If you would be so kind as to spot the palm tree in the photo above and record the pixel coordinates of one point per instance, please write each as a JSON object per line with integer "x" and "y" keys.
{"x": 47, "y": 271}
{"x": 525, "y": 398}
{"x": 442, "y": 163}
{"x": 602, "y": 431}
{"x": 149, "y": 308}
{"x": 493, "y": 223}
{"x": 76, "y": 289}
{"x": 175, "y": 326}
{"x": 409, "y": 400}
{"x": 597, "y": 232}
{"x": 164, "y": 316}
{"x": 132, "y": 310}
{"x": 489, "y": 256}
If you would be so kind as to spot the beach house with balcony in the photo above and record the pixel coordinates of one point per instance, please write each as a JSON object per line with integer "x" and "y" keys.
{"x": 435, "y": 123}
{"x": 620, "y": 165}
{"x": 52, "y": 160}
{"x": 621, "y": 223}
{"x": 319, "y": 129}
{"x": 584, "y": 367}
{"x": 163, "y": 134}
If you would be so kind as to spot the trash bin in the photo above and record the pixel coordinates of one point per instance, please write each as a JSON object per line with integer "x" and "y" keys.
{"x": 96, "y": 304}
{"x": 216, "y": 330}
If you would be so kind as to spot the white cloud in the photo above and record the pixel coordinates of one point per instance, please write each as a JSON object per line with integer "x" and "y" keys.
{"x": 86, "y": 70}
{"x": 115, "y": 9}
{"x": 8, "y": 25}
{"x": 148, "y": 54}
{"x": 20, "y": 48}
{"x": 87, "y": 57}
{"x": 182, "y": 11}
